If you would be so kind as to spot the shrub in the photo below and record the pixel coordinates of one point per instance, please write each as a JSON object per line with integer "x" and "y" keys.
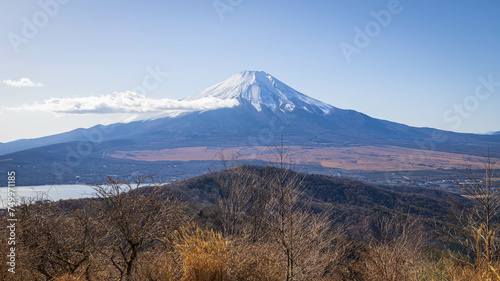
{"x": 204, "y": 254}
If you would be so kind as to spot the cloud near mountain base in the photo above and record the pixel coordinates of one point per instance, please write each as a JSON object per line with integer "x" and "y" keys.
{"x": 124, "y": 102}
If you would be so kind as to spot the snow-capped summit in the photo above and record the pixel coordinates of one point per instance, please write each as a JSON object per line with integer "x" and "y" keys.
{"x": 261, "y": 89}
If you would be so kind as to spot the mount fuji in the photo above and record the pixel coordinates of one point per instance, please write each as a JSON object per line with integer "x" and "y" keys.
{"x": 261, "y": 110}
{"x": 260, "y": 89}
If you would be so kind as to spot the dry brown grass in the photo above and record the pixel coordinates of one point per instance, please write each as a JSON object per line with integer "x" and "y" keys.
{"x": 254, "y": 261}
{"x": 203, "y": 253}
{"x": 448, "y": 268}
{"x": 387, "y": 158}
{"x": 159, "y": 266}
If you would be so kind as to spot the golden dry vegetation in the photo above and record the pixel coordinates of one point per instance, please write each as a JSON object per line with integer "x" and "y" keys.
{"x": 386, "y": 158}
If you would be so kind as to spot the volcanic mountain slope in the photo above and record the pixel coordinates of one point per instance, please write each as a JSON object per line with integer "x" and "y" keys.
{"x": 264, "y": 110}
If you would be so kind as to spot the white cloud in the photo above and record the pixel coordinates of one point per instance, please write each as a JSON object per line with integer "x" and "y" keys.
{"x": 23, "y": 82}
{"x": 126, "y": 102}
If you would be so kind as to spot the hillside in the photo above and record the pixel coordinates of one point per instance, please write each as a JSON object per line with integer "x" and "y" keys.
{"x": 337, "y": 228}
{"x": 349, "y": 198}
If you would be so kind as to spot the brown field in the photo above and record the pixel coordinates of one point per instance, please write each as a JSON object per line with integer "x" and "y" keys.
{"x": 387, "y": 158}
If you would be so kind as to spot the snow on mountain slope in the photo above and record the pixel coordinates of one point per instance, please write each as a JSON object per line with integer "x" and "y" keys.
{"x": 261, "y": 89}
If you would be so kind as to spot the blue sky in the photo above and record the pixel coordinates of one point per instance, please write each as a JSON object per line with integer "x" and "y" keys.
{"x": 424, "y": 66}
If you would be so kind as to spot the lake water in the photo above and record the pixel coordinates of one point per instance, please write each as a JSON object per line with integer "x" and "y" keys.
{"x": 52, "y": 192}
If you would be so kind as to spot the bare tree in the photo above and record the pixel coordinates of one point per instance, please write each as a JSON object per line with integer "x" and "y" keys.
{"x": 301, "y": 235}
{"x": 284, "y": 207}
{"x": 59, "y": 241}
{"x": 393, "y": 251}
{"x": 132, "y": 217}
{"x": 235, "y": 183}
{"x": 259, "y": 206}
{"x": 479, "y": 221}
